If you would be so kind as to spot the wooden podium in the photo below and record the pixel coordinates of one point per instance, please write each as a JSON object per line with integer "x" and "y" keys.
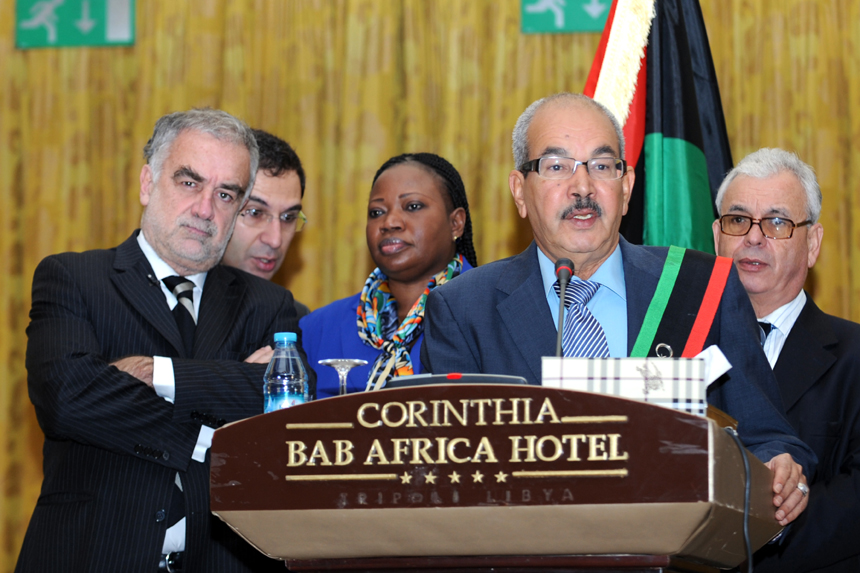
{"x": 488, "y": 478}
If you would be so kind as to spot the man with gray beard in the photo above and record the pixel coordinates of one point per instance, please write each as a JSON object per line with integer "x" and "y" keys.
{"x": 135, "y": 357}
{"x": 573, "y": 186}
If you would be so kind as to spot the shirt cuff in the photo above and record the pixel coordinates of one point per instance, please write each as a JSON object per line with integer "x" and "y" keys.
{"x": 204, "y": 442}
{"x": 162, "y": 378}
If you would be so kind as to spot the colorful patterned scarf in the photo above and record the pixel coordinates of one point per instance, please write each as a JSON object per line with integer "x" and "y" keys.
{"x": 377, "y": 302}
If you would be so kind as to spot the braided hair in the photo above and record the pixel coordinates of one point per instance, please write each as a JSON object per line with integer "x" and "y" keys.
{"x": 456, "y": 191}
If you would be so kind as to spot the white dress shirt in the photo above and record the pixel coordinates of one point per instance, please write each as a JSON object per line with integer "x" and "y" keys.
{"x": 782, "y": 320}
{"x": 164, "y": 382}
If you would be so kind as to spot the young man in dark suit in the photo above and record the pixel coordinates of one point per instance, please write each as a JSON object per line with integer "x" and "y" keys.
{"x": 769, "y": 206}
{"x": 135, "y": 357}
{"x": 273, "y": 214}
{"x": 572, "y": 185}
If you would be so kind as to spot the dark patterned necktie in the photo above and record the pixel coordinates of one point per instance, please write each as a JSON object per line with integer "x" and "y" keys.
{"x": 183, "y": 312}
{"x": 765, "y": 328}
{"x": 583, "y": 336}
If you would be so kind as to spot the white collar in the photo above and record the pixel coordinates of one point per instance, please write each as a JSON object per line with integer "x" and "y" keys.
{"x": 784, "y": 317}
{"x": 161, "y": 268}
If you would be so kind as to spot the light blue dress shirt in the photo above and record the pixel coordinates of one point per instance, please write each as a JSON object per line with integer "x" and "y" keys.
{"x": 608, "y": 305}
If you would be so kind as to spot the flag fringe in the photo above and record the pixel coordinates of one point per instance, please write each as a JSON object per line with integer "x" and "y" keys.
{"x": 624, "y": 50}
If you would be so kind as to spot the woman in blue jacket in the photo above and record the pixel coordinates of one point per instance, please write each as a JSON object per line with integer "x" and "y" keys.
{"x": 420, "y": 236}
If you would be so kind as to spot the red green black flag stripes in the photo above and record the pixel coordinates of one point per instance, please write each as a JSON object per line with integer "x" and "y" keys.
{"x": 685, "y": 149}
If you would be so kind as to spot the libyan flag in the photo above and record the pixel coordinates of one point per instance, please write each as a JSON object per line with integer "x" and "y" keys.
{"x": 653, "y": 69}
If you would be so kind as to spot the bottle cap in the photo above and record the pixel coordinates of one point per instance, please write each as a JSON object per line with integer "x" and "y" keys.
{"x": 285, "y": 337}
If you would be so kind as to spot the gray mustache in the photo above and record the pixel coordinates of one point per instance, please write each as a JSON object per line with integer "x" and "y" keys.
{"x": 581, "y": 204}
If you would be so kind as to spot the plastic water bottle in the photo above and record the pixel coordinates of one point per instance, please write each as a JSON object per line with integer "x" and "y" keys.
{"x": 286, "y": 381}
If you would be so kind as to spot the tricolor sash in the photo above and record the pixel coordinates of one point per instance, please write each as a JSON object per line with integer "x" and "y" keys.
{"x": 684, "y": 305}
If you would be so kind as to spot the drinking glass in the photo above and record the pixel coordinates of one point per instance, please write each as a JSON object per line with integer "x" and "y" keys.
{"x": 343, "y": 366}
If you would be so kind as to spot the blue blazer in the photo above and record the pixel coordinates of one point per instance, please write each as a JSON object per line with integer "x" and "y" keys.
{"x": 331, "y": 332}
{"x": 496, "y": 320}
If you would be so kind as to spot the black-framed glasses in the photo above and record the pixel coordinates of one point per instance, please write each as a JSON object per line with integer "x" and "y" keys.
{"x": 257, "y": 217}
{"x": 771, "y": 227}
{"x": 553, "y": 167}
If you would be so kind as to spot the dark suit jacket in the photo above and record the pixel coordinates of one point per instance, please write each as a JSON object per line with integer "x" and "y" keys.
{"x": 818, "y": 372}
{"x": 495, "y": 320}
{"x": 112, "y": 446}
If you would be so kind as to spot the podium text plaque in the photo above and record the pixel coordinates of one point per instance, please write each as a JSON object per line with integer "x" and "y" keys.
{"x": 486, "y": 470}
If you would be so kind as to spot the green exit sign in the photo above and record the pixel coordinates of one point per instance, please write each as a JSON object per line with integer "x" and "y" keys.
{"x": 56, "y": 23}
{"x": 553, "y": 16}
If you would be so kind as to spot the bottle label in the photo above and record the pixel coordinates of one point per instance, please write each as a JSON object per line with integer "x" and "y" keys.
{"x": 281, "y": 401}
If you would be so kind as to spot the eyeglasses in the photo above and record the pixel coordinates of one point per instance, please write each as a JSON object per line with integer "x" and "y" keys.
{"x": 256, "y": 217}
{"x": 771, "y": 227}
{"x": 600, "y": 168}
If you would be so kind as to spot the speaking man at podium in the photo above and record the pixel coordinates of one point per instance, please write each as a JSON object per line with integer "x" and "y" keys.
{"x": 572, "y": 185}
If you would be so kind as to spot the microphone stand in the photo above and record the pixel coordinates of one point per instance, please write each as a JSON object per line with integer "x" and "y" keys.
{"x": 563, "y": 271}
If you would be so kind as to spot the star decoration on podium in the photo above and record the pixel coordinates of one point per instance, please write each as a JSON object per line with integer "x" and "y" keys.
{"x": 405, "y": 478}
{"x": 430, "y": 478}
{"x": 455, "y": 477}
{"x": 478, "y": 477}
{"x": 501, "y": 477}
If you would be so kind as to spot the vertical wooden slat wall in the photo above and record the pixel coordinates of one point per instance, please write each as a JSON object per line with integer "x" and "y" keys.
{"x": 350, "y": 83}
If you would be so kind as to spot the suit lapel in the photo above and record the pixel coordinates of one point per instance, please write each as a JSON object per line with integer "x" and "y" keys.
{"x": 526, "y": 315}
{"x": 218, "y": 311}
{"x": 136, "y": 282}
{"x": 641, "y": 274}
{"x": 525, "y": 312}
{"x": 806, "y": 356}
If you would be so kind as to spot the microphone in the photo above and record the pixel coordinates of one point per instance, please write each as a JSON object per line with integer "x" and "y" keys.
{"x": 563, "y": 272}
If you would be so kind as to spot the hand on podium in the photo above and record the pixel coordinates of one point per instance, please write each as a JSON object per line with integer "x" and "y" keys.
{"x": 788, "y": 477}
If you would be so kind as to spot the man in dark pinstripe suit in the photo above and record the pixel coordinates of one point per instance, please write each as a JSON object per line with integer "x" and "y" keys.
{"x": 127, "y": 412}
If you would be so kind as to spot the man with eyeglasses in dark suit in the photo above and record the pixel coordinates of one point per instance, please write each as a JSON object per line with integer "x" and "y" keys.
{"x": 769, "y": 206}
{"x": 273, "y": 215}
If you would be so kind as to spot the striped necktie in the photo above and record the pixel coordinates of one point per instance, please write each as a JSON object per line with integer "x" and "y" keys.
{"x": 183, "y": 312}
{"x": 583, "y": 336}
